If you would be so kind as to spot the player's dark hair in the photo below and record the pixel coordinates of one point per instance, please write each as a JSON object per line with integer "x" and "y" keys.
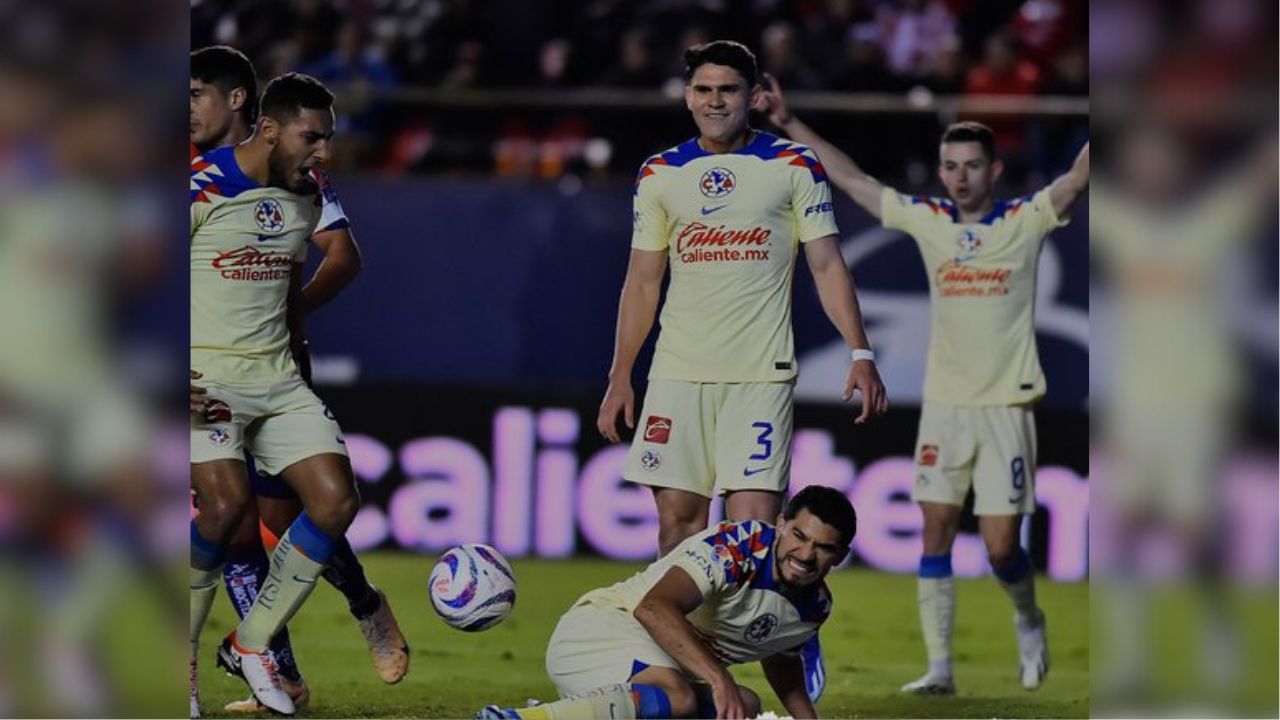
{"x": 970, "y": 131}
{"x": 722, "y": 52}
{"x": 828, "y": 505}
{"x": 287, "y": 95}
{"x": 227, "y": 69}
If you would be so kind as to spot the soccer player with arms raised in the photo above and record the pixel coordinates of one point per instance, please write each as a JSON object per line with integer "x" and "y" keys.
{"x": 657, "y": 645}
{"x": 224, "y": 105}
{"x": 983, "y": 373}
{"x": 727, "y": 211}
{"x": 253, "y": 207}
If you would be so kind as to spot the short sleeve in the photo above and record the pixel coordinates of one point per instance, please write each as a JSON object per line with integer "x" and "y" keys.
{"x": 898, "y": 212}
{"x": 811, "y": 199}
{"x": 697, "y": 556}
{"x": 649, "y": 218}
{"x": 1043, "y": 217}
{"x": 199, "y": 214}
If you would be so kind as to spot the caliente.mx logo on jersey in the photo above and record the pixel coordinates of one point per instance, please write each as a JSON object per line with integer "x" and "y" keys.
{"x": 717, "y": 182}
{"x": 269, "y": 215}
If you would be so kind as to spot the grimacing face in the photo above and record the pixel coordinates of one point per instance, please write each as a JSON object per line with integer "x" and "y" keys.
{"x": 212, "y": 112}
{"x": 807, "y": 548}
{"x": 297, "y": 146}
{"x": 967, "y": 173}
{"x": 719, "y": 99}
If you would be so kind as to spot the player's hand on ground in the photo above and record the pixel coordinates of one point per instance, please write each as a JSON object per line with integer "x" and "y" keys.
{"x": 771, "y": 103}
{"x": 865, "y": 379}
{"x": 618, "y": 398}
{"x": 728, "y": 700}
{"x": 199, "y": 396}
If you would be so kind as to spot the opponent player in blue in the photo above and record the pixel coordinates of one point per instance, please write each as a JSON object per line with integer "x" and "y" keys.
{"x": 224, "y": 107}
{"x": 728, "y": 212}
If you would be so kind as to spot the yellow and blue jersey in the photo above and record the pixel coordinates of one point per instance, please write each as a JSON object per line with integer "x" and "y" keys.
{"x": 731, "y": 224}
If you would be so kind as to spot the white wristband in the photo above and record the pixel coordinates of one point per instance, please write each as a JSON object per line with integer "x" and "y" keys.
{"x": 861, "y": 354}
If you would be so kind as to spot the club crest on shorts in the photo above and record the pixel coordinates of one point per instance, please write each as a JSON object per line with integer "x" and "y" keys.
{"x": 650, "y": 460}
{"x": 657, "y": 429}
{"x": 717, "y": 182}
{"x": 761, "y": 628}
{"x": 269, "y": 214}
{"x": 219, "y": 437}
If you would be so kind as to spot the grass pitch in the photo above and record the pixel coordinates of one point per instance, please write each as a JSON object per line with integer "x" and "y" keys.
{"x": 872, "y": 646}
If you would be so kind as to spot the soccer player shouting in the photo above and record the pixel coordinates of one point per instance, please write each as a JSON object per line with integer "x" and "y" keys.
{"x": 726, "y": 211}
{"x": 224, "y": 106}
{"x": 253, "y": 208}
{"x": 983, "y": 372}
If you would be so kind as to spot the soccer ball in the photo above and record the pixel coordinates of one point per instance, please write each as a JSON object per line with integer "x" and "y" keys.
{"x": 473, "y": 587}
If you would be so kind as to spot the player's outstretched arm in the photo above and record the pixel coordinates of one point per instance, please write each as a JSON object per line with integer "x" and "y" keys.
{"x": 840, "y": 302}
{"x": 843, "y": 171}
{"x": 342, "y": 263}
{"x": 1064, "y": 191}
{"x": 636, "y": 310}
{"x": 663, "y": 613}
{"x": 785, "y": 674}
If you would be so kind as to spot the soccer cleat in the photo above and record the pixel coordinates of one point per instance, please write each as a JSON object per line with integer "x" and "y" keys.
{"x": 815, "y": 669}
{"x": 195, "y": 691}
{"x": 1033, "y": 650}
{"x": 387, "y": 646}
{"x": 931, "y": 685}
{"x": 298, "y": 692}
{"x": 497, "y": 712}
{"x": 259, "y": 672}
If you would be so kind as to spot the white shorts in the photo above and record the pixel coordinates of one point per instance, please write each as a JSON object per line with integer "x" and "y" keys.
{"x": 279, "y": 423}
{"x": 991, "y": 448}
{"x": 597, "y": 646}
{"x": 704, "y": 437}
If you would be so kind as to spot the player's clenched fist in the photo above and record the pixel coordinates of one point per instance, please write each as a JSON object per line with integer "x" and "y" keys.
{"x": 618, "y": 398}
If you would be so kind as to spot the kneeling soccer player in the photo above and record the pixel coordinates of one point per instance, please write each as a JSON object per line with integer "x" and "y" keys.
{"x": 657, "y": 645}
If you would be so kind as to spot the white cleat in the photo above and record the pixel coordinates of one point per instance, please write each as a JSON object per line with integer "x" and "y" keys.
{"x": 1033, "y": 650}
{"x": 259, "y": 672}
{"x": 931, "y": 685}
{"x": 298, "y": 692}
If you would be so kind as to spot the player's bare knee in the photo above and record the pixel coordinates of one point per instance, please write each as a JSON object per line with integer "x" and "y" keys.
{"x": 221, "y": 511}
{"x": 1002, "y": 553}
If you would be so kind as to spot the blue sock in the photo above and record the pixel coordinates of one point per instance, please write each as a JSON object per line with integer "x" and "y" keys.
{"x": 1016, "y": 570}
{"x": 310, "y": 539}
{"x": 244, "y": 573}
{"x": 652, "y": 702}
{"x": 935, "y": 566}
{"x": 205, "y": 554}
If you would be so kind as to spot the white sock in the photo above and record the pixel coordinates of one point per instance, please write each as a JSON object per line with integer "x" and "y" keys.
{"x": 288, "y": 585}
{"x": 204, "y": 587}
{"x": 937, "y": 616}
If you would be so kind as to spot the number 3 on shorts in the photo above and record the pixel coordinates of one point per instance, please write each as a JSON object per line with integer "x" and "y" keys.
{"x": 766, "y": 429}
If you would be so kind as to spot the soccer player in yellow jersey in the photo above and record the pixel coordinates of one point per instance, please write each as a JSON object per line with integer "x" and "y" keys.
{"x": 657, "y": 644}
{"x": 224, "y": 106}
{"x": 983, "y": 373}
{"x": 727, "y": 212}
{"x": 253, "y": 207}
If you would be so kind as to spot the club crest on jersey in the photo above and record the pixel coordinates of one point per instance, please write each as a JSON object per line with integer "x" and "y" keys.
{"x": 761, "y": 628}
{"x": 969, "y": 244}
{"x": 717, "y": 182}
{"x": 269, "y": 215}
{"x": 219, "y": 437}
{"x": 650, "y": 460}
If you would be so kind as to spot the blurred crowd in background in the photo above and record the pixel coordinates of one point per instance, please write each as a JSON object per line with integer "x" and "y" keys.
{"x": 384, "y": 53}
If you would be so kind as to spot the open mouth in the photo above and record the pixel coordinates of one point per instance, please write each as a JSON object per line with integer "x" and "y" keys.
{"x": 799, "y": 567}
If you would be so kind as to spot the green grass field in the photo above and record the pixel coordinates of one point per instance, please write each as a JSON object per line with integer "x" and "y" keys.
{"x": 872, "y": 645}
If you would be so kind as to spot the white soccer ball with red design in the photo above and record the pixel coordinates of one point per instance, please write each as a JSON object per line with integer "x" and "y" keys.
{"x": 473, "y": 587}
